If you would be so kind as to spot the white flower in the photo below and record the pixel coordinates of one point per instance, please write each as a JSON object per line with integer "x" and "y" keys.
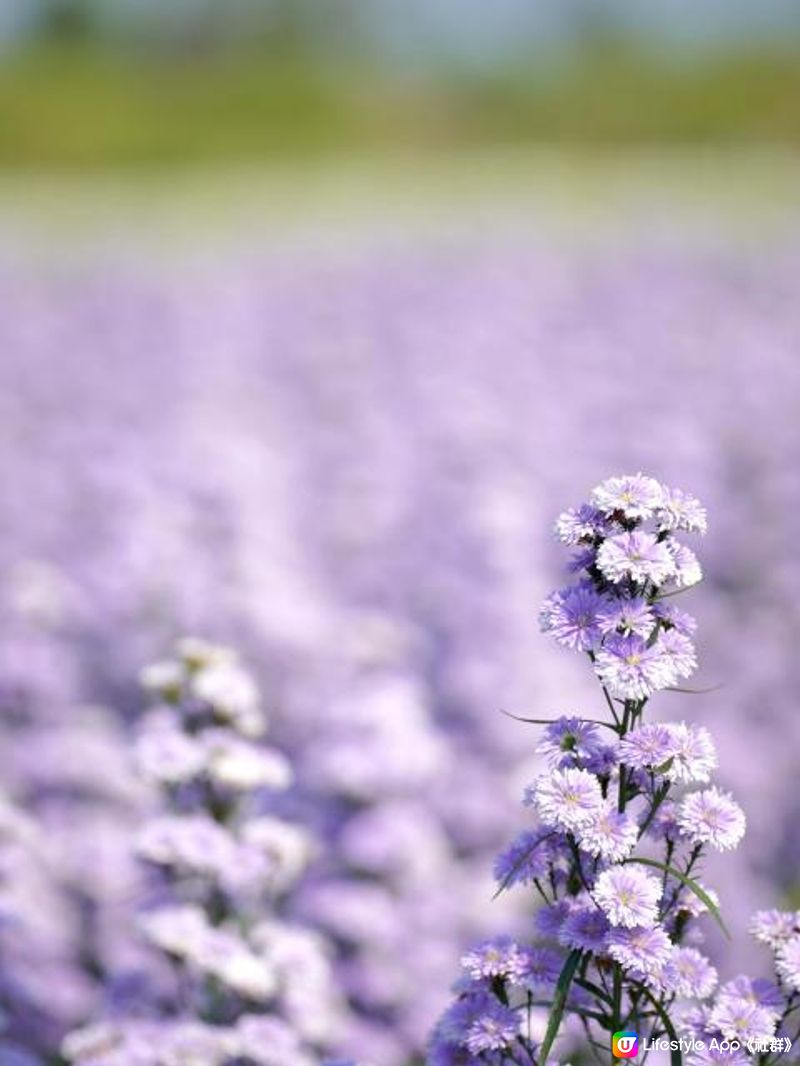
{"x": 636, "y": 496}
{"x": 197, "y": 652}
{"x": 232, "y": 694}
{"x": 566, "y": 799}
{"x": 240, "y": 765}
{"x": 610, "y": 835}
{"x": 688, "y": 973}
{"x": 229, "y": 958}
{"x": 679, "y": 651}
{"x": 175, "y": 929}
{"x": 712, "y": 817}
{"x": 687, "y": 569}
{"x": 191, "y": 842}
{"x": 642, "y": 950}
{"x": 91, "y": 1041}
{"x": 164, "y": 677}
{"x": 738, "y": 1019}
{"x": 775, "y": 927}
{"x": 638, "y": 556}
{"x": 680, "y": 510}
{"x": 286, "y": 847}
{"x": 166, "y": 755}
{"x": 694, "y": 756}
{"x": 787, "y": 962}
{"x": 628, "y": 896}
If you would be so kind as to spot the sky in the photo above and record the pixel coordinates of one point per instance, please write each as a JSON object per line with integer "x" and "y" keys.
{"x": 473, "y": 31}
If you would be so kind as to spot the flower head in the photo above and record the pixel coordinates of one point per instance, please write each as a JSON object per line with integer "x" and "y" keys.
{"x": 642, "y": 950}
{"x": 672, "y": 617}
{"x": 689, "y": 973}
{"x": 678, "y": 650}
{"x": 611, "y": 834}
{"x": 631, "y": 669}
{"x": 581, "y": 525}
{"x": 571, "y": 616}
{"x": 526, "y": 858}
{"x": 680, "y": 510}
{"x": 636, "y": 556}
{"x": 694, "y": 755}
{"x": 739, "y": 1019}
{"x": 775, "y": 927}
{"x": 628, "y": 896}
{"x": 566, "y": 799}
{"x": 712, "y": 817}
{"x": 649, "y": 746}
{"x": 687, "y": 569}
{"x": 569, "y": 742}
{"x": 625, "y": 615}
{"x": 760, "y": 992}
{"x": 787, "y": 962}
{"x": 585, "y": 927}
{"x": 542, "y": 968}
{"x": 634, "y": 496}
{"x": 494, "y": 1028}
{"x": 499, "y": 957}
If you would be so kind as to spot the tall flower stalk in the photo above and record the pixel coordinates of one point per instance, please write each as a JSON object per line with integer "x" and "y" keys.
{"x": 625, "y": 814}
{"x": 236, "y": 983}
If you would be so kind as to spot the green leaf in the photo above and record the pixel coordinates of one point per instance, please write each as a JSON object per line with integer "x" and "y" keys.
{"x": 559, "y": 1003}
{"x": 549, "y": 721}
{"x": 675, "y": 1056}
{"x": 691, "y": 884}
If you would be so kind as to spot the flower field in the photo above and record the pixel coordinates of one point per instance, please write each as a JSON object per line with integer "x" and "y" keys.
{"x": 345, "y": 462}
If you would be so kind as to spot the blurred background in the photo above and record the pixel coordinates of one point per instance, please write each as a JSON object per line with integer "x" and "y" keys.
{"x": 314, "y": 316}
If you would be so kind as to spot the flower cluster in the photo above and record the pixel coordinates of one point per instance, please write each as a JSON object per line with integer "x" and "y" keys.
{"x": 628, "y": 560}
{"x": 239, "y": 983}
{"x": 625, "y": 811}
{"x": 754, "y": 1018}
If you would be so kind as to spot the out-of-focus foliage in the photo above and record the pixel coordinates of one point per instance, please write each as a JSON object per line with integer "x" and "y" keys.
{"x": 76, "y": 105}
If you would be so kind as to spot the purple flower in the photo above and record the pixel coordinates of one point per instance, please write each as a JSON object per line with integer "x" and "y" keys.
{"x": 687, "y": 569}
{"x": 761, "y": 992}
{"x": 571, "y": 616}
{"x": 586, "y": 928}
{"x": 775, "y": 927}
{"x": 581, "y": 525}
{"x": 525, "y": 859}
{"x": 647, "y": 747}
{"x": 643, "y": 951}
{"x": 542, "y": 968}
{"x": 632, "y": 670}
{"x": 678, "y": 650}
{"x": 694, "y": 756}
{"x": 566, "y": 799}
{"x": 636, "y": 556}
{"x": 679, "y": 510}
{"x": 672, "y": 617}
{"x": 499, "y": 957}
{"x": 611, "y": 835}
{"x": 787, "y": 962}
{"x": 742, "y": 1020}
{"x": 627, "y": 615}
{"x": 635, "y": 496}
{"x": 712, "y": 817}
{"x": 628, "y": 896}
{"x": 569, "y": 742}
{"x": 493, "y": 1030}
{"x": 688, "y": 973}
{"x": 549, "y": 920}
